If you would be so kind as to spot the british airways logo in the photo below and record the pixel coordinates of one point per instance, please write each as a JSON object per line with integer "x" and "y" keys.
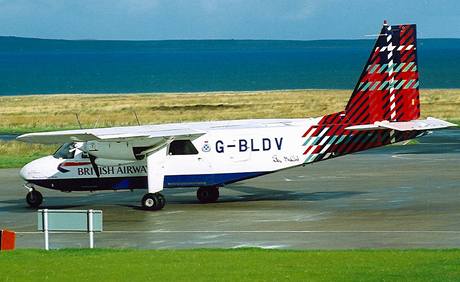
{"x": 253, "y": 145}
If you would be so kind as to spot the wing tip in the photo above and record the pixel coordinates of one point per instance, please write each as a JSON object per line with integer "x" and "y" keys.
{"x": 23, "y": 137}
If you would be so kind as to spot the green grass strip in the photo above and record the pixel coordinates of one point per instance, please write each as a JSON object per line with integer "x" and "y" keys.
{"x": 230, "y": 265}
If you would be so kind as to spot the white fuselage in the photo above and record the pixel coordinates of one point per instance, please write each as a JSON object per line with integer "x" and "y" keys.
{"x": 230, "y": 151}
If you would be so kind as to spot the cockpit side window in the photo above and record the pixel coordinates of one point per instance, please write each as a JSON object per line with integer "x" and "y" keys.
{"x": 66, "y": 151}
{"x": 182, "y": 147}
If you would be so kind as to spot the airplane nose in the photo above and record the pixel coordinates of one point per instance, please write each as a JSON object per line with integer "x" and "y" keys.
{"x": 30, "y": 170}
{"x": 40, "y": 168}
{"x": 24, "y": 172}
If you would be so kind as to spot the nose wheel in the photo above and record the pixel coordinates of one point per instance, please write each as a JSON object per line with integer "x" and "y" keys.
{"x": 34, "y": 198}
{"x": 153, "y": 201}
{"x": 207, "y": 194}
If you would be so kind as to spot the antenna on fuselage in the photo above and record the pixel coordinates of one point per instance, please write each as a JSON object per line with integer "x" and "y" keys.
{"x": 137, "y": 119}
{"x": 78, "y": 120}
{"x": 97, "y": 121}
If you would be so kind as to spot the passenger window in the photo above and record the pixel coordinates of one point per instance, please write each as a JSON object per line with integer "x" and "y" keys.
{"x": 182, "y": 147}
{"x": 66, "y": 151}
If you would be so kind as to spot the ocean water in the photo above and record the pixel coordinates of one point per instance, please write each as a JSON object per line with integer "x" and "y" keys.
{"x": 36, "y": 66}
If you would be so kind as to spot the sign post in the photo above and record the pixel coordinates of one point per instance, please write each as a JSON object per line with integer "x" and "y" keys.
{"x": 45, "y": 228}
{"x": 90, "y": 229}
{"x": 62, "y": 221}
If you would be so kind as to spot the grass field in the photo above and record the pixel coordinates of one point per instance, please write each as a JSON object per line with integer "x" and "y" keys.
{"x": 21, "y": 114}
{"x": 49, "y": 112}
{"x": 230, "y": 265}
{"x": 17, "y": 154}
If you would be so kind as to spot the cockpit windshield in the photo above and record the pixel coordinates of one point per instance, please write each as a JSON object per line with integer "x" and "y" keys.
{"x": 66, "y": 151}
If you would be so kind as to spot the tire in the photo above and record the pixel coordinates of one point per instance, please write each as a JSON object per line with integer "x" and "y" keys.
{"x": 214, "y": 195}
{"x": 160, "y": 200}
{"x": 207, "y": 194}
{"x": 34, "y": 199}
{"x": 153, "y": 202}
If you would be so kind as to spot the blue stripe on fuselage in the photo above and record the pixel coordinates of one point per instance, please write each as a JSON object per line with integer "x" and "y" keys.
{"x": 140, "y": 182}
{"x": 207, "y": 179}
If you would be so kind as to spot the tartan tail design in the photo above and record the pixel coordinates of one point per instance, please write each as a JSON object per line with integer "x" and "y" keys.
{"x": 388, "y": 88}
{"x": 330, "y": 138}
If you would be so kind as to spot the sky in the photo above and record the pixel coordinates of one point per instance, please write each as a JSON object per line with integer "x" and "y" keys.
{"x": 223, "y": 19}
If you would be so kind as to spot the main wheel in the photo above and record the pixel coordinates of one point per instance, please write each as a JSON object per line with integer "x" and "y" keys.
{"x": 153, "y": 202}
{"x": 207, "y": 194}
{"x": 34, "y": 199}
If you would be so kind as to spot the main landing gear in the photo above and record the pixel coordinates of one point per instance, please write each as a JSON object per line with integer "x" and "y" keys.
{"x": 207, "y": 194}
{"x": 34, "y": 198}
{"x": 156, "y": 201}
{"x": 153, "y": 201}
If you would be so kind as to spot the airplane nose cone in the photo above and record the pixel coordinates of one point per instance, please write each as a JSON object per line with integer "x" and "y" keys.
{"x": 24, "y": 172}
{"x": 41, "y": 168}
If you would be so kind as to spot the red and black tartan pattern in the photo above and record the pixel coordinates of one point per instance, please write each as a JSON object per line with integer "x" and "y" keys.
{"x": 386, "y": 90}
{"x": 390, "y": 70}
{"x": 337, "y": 141}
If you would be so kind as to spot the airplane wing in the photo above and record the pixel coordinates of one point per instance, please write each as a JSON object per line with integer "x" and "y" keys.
{"x": 116, "y": 134}
{"x": 427, "y": 124}
{"x": 191, "y": 130}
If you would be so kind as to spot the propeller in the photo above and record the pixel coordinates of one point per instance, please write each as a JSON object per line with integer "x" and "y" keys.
{"x": 92, "y": 159}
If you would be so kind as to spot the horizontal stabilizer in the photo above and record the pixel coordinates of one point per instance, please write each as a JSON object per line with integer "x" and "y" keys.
{"x": 426, "y": 124}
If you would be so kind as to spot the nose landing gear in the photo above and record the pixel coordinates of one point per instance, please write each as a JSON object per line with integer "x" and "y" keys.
{"x": 34, "y": 198}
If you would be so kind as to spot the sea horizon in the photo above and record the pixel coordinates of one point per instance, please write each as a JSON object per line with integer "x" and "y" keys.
{"x": 366, "y": 37}
{"x": 350, "y": 90}
{"x": 31, "y": 66}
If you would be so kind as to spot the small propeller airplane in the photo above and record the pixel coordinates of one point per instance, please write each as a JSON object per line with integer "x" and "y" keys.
{"x": 384, "y": 108}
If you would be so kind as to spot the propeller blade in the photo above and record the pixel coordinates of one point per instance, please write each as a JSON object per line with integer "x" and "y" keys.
{"x": 93, "y": 163}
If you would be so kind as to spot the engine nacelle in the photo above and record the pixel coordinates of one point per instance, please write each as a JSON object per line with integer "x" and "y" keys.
{"x": 117, "y": 151}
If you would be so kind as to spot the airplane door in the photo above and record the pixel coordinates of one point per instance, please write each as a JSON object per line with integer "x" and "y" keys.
{"x": 184, "y": 159}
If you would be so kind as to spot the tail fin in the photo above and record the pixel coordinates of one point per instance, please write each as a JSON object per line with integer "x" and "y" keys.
{"x": 388, "y": 88}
